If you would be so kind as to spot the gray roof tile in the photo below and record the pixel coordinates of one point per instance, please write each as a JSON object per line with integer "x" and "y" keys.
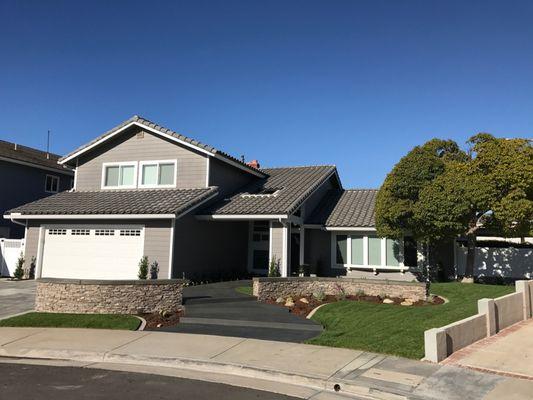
{"x": 160, "y": 128}
{"x": 346, "y": 208}
{"x": 30, "y": 155}
{"x": 295, "y": 184}
{"x": 156, "y": 201}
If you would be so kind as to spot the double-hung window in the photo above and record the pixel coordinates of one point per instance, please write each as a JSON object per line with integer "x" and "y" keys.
{"x": 121, "y": 175}
{"x": 156, "y": 174}
{"x": 51, "y": 184}
{"x": 366, "y": 251}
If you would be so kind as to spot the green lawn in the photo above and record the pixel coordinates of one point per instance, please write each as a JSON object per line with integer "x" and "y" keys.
{"x": 398, "y": 330}
{"x": 245, "y": 290}
{"x": 53, "y": 320}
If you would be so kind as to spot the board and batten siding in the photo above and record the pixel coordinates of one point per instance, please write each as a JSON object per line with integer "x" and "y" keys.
{"x": 191, "y": 165}
{"x": 157, "y": 236}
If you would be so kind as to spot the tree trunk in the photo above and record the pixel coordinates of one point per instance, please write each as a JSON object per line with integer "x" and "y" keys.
{"x": 470, "y": 256}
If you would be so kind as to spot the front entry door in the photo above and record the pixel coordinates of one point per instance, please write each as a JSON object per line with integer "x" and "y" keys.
{"x": 258, "y": 249}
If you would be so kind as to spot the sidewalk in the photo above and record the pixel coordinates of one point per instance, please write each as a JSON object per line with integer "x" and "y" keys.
{"x": 360, "y": 374}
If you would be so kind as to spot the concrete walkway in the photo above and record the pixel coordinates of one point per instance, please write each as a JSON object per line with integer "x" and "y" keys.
{"x": 218, "y": 309}
{"x": 307, "y": 369}
{"x": 510, "y": 352}
{"x": 16, "y": 297}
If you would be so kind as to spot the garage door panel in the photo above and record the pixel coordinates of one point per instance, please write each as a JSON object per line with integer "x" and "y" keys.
{"x": 92, "y": 256}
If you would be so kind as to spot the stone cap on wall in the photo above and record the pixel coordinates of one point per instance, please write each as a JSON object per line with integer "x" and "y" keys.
{"x": 330, "y": 279}
{"x": 112, "y": 282}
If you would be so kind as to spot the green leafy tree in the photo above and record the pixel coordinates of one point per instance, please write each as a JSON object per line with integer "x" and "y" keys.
{"x": 491, "y": 189}
{"x": 143, "y": 268}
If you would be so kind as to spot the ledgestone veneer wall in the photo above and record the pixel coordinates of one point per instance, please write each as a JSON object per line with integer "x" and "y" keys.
{"x": 108, "y": 297}
{"x": 272, "y": 288}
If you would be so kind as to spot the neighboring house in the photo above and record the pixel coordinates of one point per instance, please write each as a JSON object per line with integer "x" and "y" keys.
{"x": 144, "y": 190}
{"x": 26, "y": 175}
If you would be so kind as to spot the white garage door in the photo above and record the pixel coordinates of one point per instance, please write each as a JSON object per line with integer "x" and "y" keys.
{"x": 81, "y": 252}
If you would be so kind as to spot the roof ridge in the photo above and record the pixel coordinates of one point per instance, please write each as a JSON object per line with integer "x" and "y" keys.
{"x": 44, "y": 152}
{"x": 361, "y": 189}
{"x": 302, "y": 166}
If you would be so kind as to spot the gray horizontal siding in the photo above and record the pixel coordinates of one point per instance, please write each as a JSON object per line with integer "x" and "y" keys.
{"x": 192, "y": 165}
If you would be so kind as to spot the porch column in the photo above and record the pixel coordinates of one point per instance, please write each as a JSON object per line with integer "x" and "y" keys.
{"x": 286, "y": 250}
{"x": 302, "y": 245}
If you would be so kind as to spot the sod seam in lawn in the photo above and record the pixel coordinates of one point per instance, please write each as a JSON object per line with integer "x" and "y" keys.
{"x": 60, "y": 320}
{"x": 398, "y": 330}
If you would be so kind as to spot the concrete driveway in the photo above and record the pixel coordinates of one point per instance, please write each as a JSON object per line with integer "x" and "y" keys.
{"x": 16, "y": 297}
{"x": 510, "y": 352}
{"x": 218, "y": 309}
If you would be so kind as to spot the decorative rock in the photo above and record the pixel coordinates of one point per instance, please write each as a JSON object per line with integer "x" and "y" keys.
{"x": 406, "y": 303}
{"x": 289, "y": 302}
{"x": 304, "y": 300}
{"x": 280, "y": 300}
{"x": 388, "y": 301}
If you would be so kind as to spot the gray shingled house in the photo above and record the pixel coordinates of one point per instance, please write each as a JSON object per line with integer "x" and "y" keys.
{"x": 143, "y": 190}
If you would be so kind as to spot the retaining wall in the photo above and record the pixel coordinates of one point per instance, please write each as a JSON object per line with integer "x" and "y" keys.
{"x": 493, "y": 315}
{"x": 107, "y": 296}
{"x": 272, "y": 288}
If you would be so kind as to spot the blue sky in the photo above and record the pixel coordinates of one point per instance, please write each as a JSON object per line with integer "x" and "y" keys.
{"x": 351, "y": 83}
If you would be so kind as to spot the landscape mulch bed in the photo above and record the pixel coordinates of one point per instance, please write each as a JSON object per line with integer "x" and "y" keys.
{"x": 303, "y": 309}
{"x": 158, "y": 320}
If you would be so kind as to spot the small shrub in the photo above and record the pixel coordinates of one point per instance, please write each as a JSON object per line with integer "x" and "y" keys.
{"x": 143, "y": 268}
{"x": 319, "y": 295}
{"x": 154, "y": 270}
{"x": 19, "y": 270}
{"x": 31, "y": 273}
{"x": 273, "y": 268}
{"x": 340, "y": 293}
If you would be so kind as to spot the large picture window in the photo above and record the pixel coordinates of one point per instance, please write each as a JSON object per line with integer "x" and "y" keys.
{"x": 366, "y": 251}
{"x": 158, "y": 174}
{"x": 119, "y": 175}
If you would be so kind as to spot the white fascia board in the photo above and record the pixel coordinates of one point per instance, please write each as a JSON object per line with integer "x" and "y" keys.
{"x": 148, "y": 128}
{"x": 241, "y": 217}
{"x": 28, "y": 164}
{"x": 240, "y": 166}
{"x": 355, "y": 229}
{"x": 89, "y": 216}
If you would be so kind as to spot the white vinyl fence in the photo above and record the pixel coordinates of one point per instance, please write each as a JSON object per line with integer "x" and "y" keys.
{"x": 506, "y": 262}
{"x": 10, "y": 250}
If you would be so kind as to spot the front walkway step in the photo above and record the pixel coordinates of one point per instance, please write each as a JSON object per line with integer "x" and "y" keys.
{"x": 251, "y": 324}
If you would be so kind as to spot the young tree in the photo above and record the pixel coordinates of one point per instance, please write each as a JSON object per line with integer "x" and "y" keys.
{"x": 492, "y": 189}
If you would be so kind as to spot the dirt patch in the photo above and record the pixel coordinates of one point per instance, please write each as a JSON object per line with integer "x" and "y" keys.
{"x": 303, "y": 305}
{"x": 161, "y": 320}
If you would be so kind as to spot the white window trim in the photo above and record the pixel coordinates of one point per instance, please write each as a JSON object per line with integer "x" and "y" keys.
{"x": 365, "y": 235}
{"x": 157, "y": 162}
{"x": 119, "y": 164}
{"x": 46, "y": 180}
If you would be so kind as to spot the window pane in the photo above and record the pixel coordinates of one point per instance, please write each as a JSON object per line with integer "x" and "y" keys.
{"x": 111, "y": 177}
{"x": 126, "y": 178}
{"x": 374, "y": 251}
{"x": 55, "y": 182}
{"x": 393, "y": 252}
{"x": 357, "y": 250}
{"x": 166, "y": 174}
{"x": 342, "y": 249}
{"x": 149, "y": 175}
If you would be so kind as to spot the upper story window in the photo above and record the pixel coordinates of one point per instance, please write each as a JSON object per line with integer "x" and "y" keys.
{"x": 119, "y": 175}
{"x": 154, "y": 174}
{"x": 51, "y": 184}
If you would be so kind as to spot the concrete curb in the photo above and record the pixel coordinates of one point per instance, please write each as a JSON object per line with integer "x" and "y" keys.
{"x": 314, "y": 310}
{"x": 329, "y": 384}
{"x": 143, "y": 323}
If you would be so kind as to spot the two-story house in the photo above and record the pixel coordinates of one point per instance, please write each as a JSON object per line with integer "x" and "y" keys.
{"x": 26, "y": 175}
{"x": 143, "y": 190}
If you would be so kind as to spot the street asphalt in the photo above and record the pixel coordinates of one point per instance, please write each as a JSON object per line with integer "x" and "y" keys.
{"x": 218, "y": 309}
{"x": 21, "y": 382}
